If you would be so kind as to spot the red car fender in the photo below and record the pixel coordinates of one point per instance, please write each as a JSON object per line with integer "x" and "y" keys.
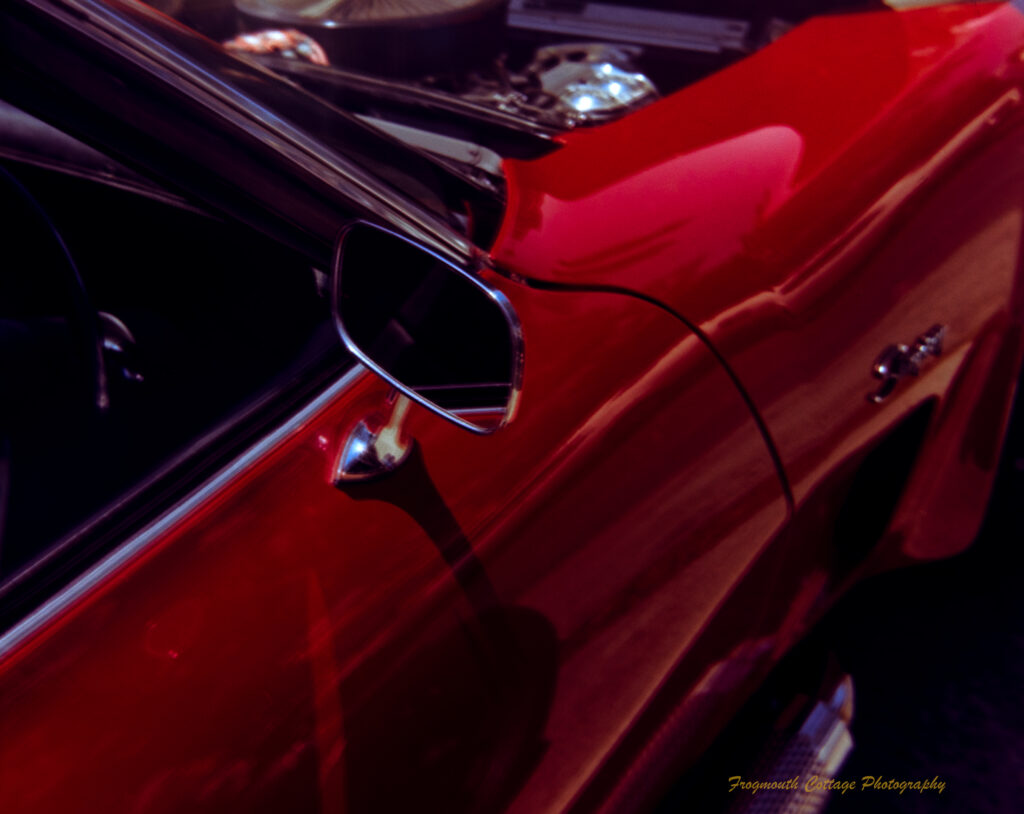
{"x": 840, "y": 192}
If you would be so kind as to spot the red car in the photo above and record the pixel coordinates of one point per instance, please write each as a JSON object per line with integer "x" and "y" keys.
{"x": 684, "y": 319}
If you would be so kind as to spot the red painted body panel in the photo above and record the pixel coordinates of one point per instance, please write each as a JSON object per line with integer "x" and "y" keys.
{"x": 843, "y": 190}
{"x": 480, "y": 628}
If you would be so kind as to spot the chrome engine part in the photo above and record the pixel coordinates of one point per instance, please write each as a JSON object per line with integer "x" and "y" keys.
{"x": 566, "y": 85}
{"x": 402, "y": 39}
{"x": 591, "y": 82}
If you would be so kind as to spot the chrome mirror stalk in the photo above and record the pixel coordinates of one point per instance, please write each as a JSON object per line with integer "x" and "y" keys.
{"x": 366, "y": 454}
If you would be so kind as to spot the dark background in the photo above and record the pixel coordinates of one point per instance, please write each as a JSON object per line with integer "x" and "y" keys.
{"x": 937, "y": 657}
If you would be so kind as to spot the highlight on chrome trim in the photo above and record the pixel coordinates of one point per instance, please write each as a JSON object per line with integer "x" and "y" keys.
{"x": 120, "y": 557}
{"x": 367, "y": 454}
{"x": 457, "y": 415}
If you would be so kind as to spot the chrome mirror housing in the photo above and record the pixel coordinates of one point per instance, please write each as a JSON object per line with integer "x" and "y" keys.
{"x": 433, "y": 330}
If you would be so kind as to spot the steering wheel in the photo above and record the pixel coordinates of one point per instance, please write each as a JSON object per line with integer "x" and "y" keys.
{"x": 78, "y": 321}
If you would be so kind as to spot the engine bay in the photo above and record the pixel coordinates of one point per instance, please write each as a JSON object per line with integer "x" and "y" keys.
{"x": 475, "y": 80}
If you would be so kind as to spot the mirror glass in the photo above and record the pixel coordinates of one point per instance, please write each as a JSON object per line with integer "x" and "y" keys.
{"x": 434, "y": 331}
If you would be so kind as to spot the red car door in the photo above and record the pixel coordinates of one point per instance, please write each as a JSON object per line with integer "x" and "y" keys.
{"x": 481, "y": 628}
{"x": 502, "y": 623}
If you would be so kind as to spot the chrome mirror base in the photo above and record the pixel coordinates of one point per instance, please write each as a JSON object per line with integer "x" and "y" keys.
{"x": 367, "y": 454}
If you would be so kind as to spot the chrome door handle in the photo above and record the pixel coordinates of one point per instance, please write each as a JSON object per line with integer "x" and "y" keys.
{"x": 899, "y": 361}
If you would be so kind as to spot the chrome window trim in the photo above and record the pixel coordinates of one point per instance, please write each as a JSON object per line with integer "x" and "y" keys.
{"x": 129, "y": 551}
{"x": 91, "y": 165}
{"x": 99, "y": 22}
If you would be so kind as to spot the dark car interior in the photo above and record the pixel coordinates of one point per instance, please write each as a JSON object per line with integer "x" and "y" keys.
{"x": 206, "y": 331}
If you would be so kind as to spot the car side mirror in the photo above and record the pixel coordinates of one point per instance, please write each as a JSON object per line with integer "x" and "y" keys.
{"x": 433, "y": 330}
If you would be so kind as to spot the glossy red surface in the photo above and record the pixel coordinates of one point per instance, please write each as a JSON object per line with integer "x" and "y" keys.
{"x": 480, "y": 628}
{"x": 843, "y": 190}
